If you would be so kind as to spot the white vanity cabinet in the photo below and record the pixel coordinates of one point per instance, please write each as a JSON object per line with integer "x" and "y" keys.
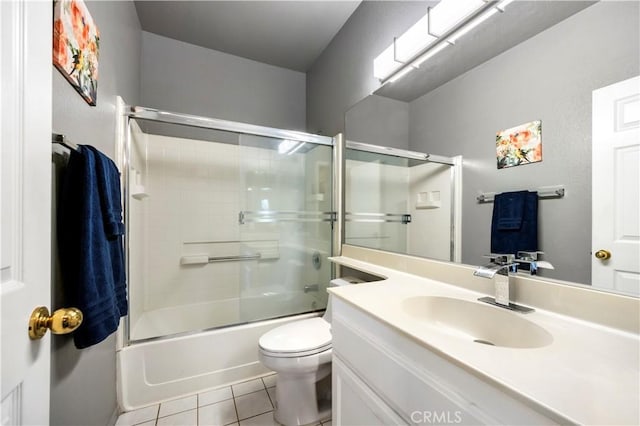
{"x": 383, "y": 377}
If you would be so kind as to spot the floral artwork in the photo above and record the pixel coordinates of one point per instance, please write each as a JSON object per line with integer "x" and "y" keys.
{"x": 519, "y": 145}
{"x": 75, "y": 47}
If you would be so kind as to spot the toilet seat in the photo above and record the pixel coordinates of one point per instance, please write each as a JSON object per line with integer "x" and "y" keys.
{"x": 296, "y": 339}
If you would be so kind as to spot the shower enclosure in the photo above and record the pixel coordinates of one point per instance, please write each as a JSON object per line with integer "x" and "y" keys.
{"x": 229, "y": 226}
{"x": 227, "y": 223}
{"x": 402, "y": 201}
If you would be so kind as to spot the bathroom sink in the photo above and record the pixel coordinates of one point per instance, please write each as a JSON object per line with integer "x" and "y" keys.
{"x": 477, "y": 322}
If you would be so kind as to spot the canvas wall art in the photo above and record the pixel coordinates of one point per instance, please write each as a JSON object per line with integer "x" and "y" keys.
{"x": 76, "y": 42}
{"x": 519, "y": 145}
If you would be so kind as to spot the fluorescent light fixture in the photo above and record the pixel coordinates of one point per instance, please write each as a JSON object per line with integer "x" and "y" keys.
{"x": 401, "y": 74}
{"x": 449, "y": 18}
{"x": 449, "y": 13}
{"x": 403, "y": 48}
{"x": 385, "y": 64}
{"x": 503, "y": 4}
{"x": 471, "y": 25}
{"x": 413, "y": 40}
{"x": 431, "y": 52}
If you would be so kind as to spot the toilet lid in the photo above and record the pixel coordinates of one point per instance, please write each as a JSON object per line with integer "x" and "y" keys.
{"x": 298, "y": 336}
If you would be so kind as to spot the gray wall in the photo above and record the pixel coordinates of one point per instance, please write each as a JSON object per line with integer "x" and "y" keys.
{"x": 343, "y": 74}
{"x": 185, "y": 78}
{"x": 548, "y": 77}
{"x": 379, "y": 121}
{"x": 83, "y": 383}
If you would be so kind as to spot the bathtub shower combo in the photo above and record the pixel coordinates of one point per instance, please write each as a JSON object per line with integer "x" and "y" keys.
{"x": 229, "y": 227}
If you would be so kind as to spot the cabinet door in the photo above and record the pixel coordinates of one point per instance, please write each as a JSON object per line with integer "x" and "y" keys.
{"x": 354, "y": 404}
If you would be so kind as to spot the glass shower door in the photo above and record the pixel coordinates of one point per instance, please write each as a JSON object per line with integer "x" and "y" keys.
{"x": 285, "y": 226}
{"x": 376, "y": 200}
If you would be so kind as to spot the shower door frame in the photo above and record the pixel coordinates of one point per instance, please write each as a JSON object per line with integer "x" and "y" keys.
{"x": 123, "y": 145}
{"x": 455, "y": 181}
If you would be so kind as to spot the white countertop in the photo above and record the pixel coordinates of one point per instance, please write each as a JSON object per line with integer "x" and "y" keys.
{"x": 589, "y": 374}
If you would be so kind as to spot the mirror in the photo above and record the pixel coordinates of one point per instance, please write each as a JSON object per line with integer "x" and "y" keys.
{"x": 443, "y": 109}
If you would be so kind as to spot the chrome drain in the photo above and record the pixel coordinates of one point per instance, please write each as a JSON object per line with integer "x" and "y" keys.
{"x": 484, "y": 342}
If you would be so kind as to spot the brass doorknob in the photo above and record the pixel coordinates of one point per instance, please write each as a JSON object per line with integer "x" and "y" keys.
{"x": 62, "y": 321}
{"x": 603, "y": 254}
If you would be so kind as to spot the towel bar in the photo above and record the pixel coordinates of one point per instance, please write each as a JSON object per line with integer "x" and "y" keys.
{"x": 63, "y": 140}
{"x": 543, "y": 193}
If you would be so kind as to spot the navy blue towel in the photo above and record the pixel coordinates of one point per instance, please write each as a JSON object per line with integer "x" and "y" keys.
{"x": 514, "y": 224}
{"x": 90, "y": 240}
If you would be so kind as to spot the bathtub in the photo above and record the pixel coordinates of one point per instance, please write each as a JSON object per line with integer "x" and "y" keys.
{"x": 171, "y": 367}
{"x": 272, "y": 301}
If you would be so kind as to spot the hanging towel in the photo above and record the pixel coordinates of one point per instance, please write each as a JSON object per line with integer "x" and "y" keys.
{"x": 90, "y": 237}
{"x": 108, "y": 179}
{"x": 514, "y": 224}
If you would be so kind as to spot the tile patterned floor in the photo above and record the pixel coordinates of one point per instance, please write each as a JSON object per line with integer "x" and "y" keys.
{"x": 248, "y": 403}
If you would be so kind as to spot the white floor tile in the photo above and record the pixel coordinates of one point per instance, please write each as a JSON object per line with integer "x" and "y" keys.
{"x": 217, "y": 395}
{"x": 218, "y": 414}
{"x": 265, "y": 419}
{"x": 149, "y": 423}
{"x": 247, "y": 387}
{"x": 269, "y": 381}
{"x": 135, "y": 417}
{"x": 327, "y": 423}
{"x": 253, "y": 404}
{"x": 185, "y": 418}
{"x": 178, "y": 405}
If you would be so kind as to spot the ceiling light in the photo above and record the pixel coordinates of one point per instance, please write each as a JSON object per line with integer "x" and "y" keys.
{"x": 501, "y": 6}
{"x": 401, "y": 74}
{"x": 471, "y": 25}
{"x": 443, "y": 24}
{"x": 449, "y": 13}
{"x": 431, "y": 52}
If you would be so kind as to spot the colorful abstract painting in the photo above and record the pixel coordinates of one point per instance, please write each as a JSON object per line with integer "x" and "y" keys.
{"x": 75, "y": 47}
{"x": 519, "y": 145}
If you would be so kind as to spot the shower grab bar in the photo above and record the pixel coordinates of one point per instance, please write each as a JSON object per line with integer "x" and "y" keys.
{"x": 403, "y": 218}
{"x": 234, "y": 258}
{"x": 204, "y": 259}
{"x": 271, "y": 216}
{"x": 543, "y": 193}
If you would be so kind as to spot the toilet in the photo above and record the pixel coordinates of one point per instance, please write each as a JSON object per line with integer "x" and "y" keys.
{"x": 300, "y": 352}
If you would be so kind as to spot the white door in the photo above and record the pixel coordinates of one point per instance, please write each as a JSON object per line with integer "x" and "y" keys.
{"x": 616, "y": 187}
{"x": 25, "y": 206}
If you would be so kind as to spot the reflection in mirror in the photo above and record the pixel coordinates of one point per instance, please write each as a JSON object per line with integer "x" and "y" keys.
{"x": 551, "y": 77}
{"x": 389, "y": 197}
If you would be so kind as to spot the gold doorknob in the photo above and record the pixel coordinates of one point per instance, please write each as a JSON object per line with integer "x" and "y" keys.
{"x": 603, "y": 254}
{"x": 62, "y": 321}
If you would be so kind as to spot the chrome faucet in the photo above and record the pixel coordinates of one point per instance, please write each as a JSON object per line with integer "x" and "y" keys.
{"x": 533, "y": 260}
{"x": 498, "y": 270}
